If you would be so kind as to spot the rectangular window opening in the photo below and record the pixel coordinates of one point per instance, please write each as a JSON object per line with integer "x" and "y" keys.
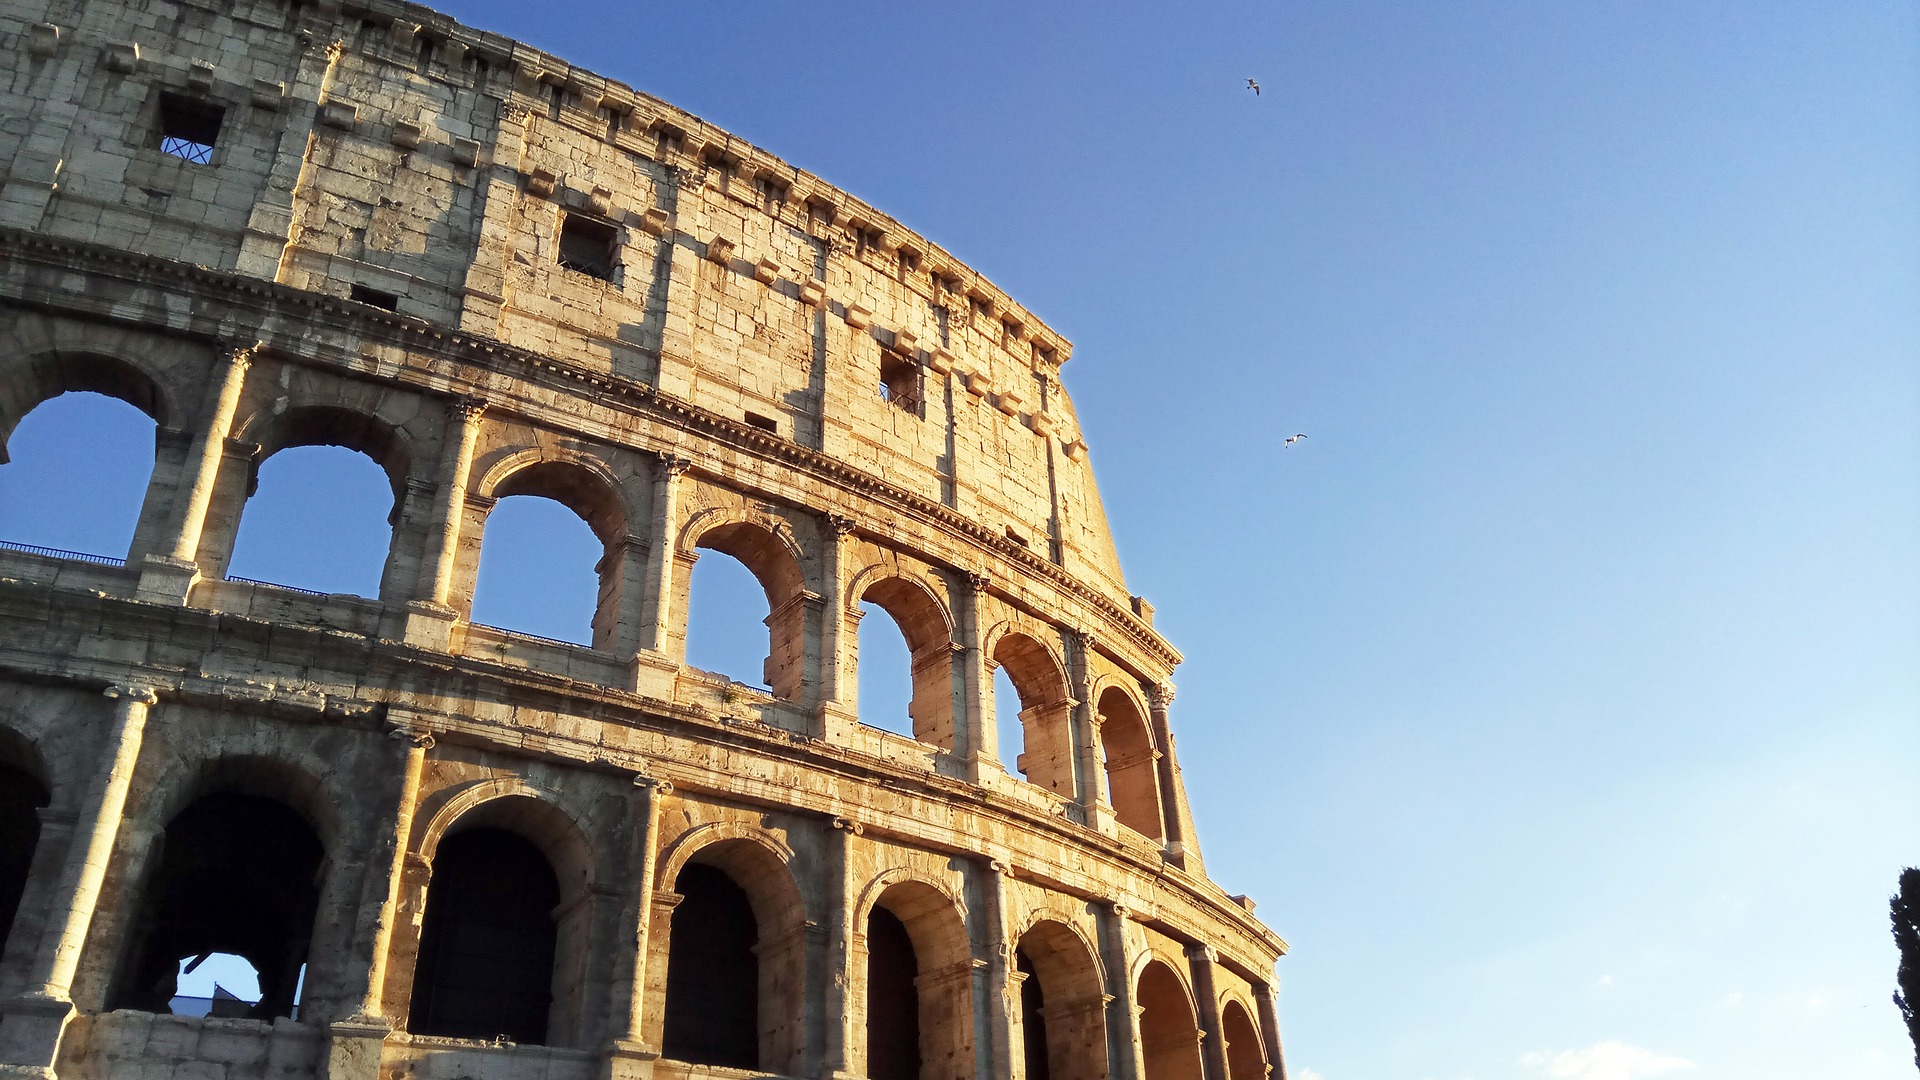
{"x": 900, "y": 383}
{"x": 764, "y": 423}
{"x": 189, "y": 128}
{"x": 588, "y": 246}
{"x": 375, "y": 297}
{"x": 1016, "y": 537}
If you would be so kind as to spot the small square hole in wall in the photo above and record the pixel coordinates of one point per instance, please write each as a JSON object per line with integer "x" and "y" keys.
{"x": 900, "y": 383}
{"x": 1016, "y": 537}
{"x": 764, "y": 423}
{"x": 588, "y": 246}
{"x": 189, "y": 128}
{"x": 374, "y": 297}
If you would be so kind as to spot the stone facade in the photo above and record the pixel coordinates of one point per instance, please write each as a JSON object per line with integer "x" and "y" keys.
{"x": 271, "y": 224}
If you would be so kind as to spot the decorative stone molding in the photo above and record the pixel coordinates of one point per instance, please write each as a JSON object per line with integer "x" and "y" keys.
{"x": 339, "y": 114}
{"x": 122, "y": 57}
{"x": 43, "y": 39}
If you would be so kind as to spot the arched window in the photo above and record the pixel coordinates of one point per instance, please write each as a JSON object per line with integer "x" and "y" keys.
{"x": 537, "y": 549}
{"x": 22, "y": 794}
{"x": 909, "y": 648}
{"x": 1246, "y": 1058}
{"x": 713, "y": 973}
{"x": 736, "y": 971}
{"x": 919, "y": 986}
{"x": 488, "y": 940}
{"x": 771, "y": 561}
{"x": 237, "y": 874}
{"x": 321, "y": 504}
{"x": 726, "y": 620}
{"x": 537, "y": 571}
{"x": 1062, "y": 1006}
{"x": 1046, "y": 731}
{"x": 74, "y": 475}
{"x": 1010, "y": 734}
{"x": 1169, "y": 1032}
{"x": 1133, "y": 785}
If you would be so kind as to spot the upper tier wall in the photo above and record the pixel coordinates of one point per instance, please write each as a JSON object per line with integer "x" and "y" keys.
{"x": 383, "y": 148}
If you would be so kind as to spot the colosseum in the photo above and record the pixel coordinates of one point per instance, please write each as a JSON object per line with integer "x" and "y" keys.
{"x": 456, "y": 851}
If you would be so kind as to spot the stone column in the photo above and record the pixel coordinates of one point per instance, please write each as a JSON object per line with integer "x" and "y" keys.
{"x": 995, "y": 996}
{"x": 169, "y": 577}
{"x": 1270, "y": 1031}
{"x": 32, "y": 1025}
{"x": 1091, "y": 789}
{"x": 629, "y": 1047}
{"x": 1213, "y": 1046}
{"x": 354, "y": 1043}
{"x": 842, "y": 1013}
{"x": 975, "y": 740}
{"x": 1173, "y": 798}
{"x": 1124, "y": 1059}
{"x": 429, "y": 616}
{"x": 655, "y": 665}
{"x": 839, "y": 702}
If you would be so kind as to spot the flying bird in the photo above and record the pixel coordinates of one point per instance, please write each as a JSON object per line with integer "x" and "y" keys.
{"x": 1253, "y": 86}
{"x": 1294, "y": 439}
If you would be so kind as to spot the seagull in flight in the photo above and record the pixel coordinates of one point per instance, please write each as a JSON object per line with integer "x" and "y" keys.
{"x": 1291, "y": 439}
{"x": 1253, "y": 86}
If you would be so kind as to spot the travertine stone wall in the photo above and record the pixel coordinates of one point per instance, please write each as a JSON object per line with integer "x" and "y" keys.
{"x": 765, "y": 368}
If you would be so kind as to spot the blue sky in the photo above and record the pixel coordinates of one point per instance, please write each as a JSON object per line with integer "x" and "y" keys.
{"x": 1556, "y": 698}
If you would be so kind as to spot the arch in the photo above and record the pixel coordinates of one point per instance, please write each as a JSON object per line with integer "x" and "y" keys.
{"x": 736, "y": 951}
{"x": 1246, "y": 1054}
{"x": 286, "y": 517}
{"x": 1169, "y": 1026}
{"x": 23, "y": 792}
{"x": 505, "y": 937}
{"x": 237, "y": 873}
{"x": 918, "y": 976}
{"x": 1039, "y": 678}
{"x": 592, "y": 492}
{"x": 927, "y": 625}
{"x": 1129, "y": 756}
{"x": 766, "y": 547}
{"x": 27, "y": 382}
{"x": 1062, "y": 1004}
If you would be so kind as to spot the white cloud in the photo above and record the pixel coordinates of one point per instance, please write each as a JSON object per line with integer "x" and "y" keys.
{"x": 1604, "y": 980}
{"x": 1309, "y": 1074}
{"x": 1610, "y": 1060}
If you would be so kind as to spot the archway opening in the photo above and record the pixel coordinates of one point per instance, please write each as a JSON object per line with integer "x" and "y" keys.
{"x": 886, "y": 672}
{"x": 893, "y": 1000}
{"x": 1010, "y": 734}
{"x": 911, "y": 652}
{"x": 770, "y": 557}
{"x": 1169, "y": 1032}
{"x": 1246, "y": 1058}
{"x": 540, "y": 570}
{"x": 488, "y": 940}
{"x": 1046, "y": 730}
{"x": 74, "y": 474}
{"x": 237, "y": 874}
{"x": 21, "y": 797}
{"x": 1068, "y": 1040}
{"x": 1133, "y": 786}
{"x": 319, "y": 518}
{"x": 727, "y": 619}
{"x": 713, "y": 972}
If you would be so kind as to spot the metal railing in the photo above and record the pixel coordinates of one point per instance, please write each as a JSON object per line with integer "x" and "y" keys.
{"x": 277, "y": 585}
{"x": 62, "y": 553}
{"x": 530, "y": 637}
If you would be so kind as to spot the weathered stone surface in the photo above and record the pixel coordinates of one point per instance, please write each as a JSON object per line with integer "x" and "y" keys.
{"x": 498, "y": 274}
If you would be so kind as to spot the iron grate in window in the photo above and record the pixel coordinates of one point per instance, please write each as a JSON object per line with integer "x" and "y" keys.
{"x": 189, "y": 128}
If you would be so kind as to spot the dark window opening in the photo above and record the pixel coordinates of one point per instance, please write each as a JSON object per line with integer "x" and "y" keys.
{"x": 713, "y": 973}
{"x": 588, "y": 246}
{"x": 428, "y": 47}
{"x": 189, "y": 128}
{"x": 764, "y": 423}
{"x": 1033, "y": 1023}
{"x": 373, "y": 297}
{"x": 487, "y": 942}
{"x": 237, "y": 874}
{"x": 21, "y": 797}
{"x": 1016, "y": 537}
{"x": 893, "y": 1003}
{"x": 900, "y": 383}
